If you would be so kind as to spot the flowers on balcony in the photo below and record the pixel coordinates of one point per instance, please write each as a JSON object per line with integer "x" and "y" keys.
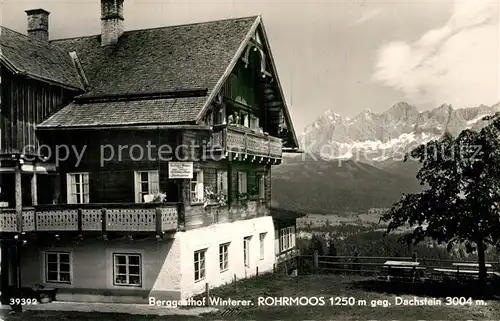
{"x": 157, "y": 197}
{"x": 212, "y": 197}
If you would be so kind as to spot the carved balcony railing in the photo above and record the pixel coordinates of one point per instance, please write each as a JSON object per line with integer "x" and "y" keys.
{"x": 242, "y": 140}
{"x": 150, "y": 217}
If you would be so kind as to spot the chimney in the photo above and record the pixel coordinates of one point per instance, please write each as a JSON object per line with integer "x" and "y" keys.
{"x": 111, "y": 21}
{"x": 38, "y": 24}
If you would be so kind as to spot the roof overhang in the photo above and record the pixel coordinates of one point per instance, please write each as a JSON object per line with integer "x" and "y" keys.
{"x": 283, "y": 214}
{"x": 129, "y": 127}
{"x": 239, "y": 53}
{"x": 18, "y": 72}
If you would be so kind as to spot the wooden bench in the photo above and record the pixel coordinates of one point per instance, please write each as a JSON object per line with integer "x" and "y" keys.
{"x": 405, "y": 270}
{"x": 460, "y": 273}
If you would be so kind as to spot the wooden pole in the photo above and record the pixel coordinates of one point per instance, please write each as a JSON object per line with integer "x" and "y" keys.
{"x": 34, "y": 191}
{"x": 256, "y": 271}
{"x": 207, "y": 295}
{"x": 18, "y": 199}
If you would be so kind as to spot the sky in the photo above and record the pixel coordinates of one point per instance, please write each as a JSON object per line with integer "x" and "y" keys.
{"x": 343, "y": 56}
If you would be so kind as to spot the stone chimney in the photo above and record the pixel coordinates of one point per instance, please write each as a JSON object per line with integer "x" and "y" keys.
{"x": 38, "y": 24}
{"x": 111, "y": 21}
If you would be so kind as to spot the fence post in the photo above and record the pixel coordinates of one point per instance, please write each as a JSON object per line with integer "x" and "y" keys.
{"x": 316, "y": 261}
{"x": 274, "y": 268}
{"x": 207, "y": 295}
{"x": 256, "y": 271}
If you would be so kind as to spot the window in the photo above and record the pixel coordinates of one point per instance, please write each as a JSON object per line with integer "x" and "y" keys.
{"x": 242, "y": 182}
{"x": 78, "y": 188}
{"x": 58, "y": 267}
{"x": 197, "y": 187}
{"x": 287, "y": 238}
{"x": 222, "y": 182}
{"x": 224, "y": 257}
{"x": 210, "y": 118}
{"x": 146, "y": 183}
{"x": 127, "y": 269}
{"x": 246, "y": 250}
{"x": 199, "y": 265}
{"x": 262, "y": 237}
{"x": 262, "y": 185}
{"x": 244, "y": 119}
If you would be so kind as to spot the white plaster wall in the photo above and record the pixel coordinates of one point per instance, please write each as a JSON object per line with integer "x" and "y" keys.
{"x": 210, "y": 238}
{"x": 170, "y": 276}
{"x": 92, "y": 268}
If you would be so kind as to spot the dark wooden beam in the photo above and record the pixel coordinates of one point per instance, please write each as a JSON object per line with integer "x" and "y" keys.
{"x": 182, "y": 93}
{"x": 18, "y": 199}
{"x": 34, "y": 190}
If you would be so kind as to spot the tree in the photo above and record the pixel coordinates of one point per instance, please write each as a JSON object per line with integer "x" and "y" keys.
{"x": 460, "y": 200}
{"x": 332, "y": 250}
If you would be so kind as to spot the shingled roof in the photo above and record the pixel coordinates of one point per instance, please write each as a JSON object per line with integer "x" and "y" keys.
{"x": 151, "y": 61}
{"x": 123, "y": 113}
{"x": 37, "y": 59}
{"x": 160, "y": 59}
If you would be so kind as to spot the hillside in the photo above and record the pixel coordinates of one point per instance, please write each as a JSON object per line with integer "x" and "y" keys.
{"x": 336, "y": 187}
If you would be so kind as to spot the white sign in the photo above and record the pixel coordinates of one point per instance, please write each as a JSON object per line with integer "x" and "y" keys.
{"x": 182, "y": 170}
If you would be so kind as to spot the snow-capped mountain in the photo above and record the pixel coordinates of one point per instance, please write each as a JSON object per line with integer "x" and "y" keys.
{"x": 389, "y": 135}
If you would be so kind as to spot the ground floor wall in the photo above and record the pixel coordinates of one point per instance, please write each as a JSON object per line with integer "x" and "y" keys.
{"x": 257, "y": 233}
{"x": 94, "y": 274}
{"x": 173, "y": 268}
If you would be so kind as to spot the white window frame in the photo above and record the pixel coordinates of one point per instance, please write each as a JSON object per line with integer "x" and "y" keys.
{"x": 287, "y": 238}
{"x": 242, "y": 183}
{"x": 58, "y": 271}
{"x": 262, "y": 239}
{"x": 72, "y": 195}
{"x": 261, "y": 186}
{"x": 223, "y": 257}
{"x": 153, "y": 184}
{"x": 200, "y": 265}
{"x": 127, "y": 265}
{"x": 245, "y": 119}
{"x": 246, "y": 250}
{"x": 222, "y": 179}
{"x": 196, "y": 189}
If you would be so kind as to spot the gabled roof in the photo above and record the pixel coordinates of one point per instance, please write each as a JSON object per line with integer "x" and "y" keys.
{"x": 153, "y": 63}
{"x": 37, "y": 59}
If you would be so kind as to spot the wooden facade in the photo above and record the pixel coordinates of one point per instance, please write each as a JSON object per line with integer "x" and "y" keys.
{"x": 246, "y": 134}
{"x": 25, "y": 103}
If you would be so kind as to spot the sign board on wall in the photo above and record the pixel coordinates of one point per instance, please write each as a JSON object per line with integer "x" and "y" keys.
{"x": 180, "y": 170}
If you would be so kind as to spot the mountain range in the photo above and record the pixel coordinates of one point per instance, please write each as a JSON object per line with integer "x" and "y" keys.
{"x": 371, "y": 137}
{"x": 354, "y": 164}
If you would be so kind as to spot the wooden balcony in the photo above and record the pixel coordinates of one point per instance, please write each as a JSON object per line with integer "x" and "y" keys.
{"x": 246, "y": 142}
{"x": 149, "y": 217}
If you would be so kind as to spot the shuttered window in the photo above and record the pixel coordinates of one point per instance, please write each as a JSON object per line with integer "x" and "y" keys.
{"x": 197, "y": 187}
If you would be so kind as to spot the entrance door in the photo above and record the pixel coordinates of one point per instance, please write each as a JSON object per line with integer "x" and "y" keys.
{"x": 9, "y": 271}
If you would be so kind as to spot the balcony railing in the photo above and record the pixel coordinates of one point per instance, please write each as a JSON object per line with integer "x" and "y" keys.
{"x": 245, "y": 141}
{"x": 150, "y": 217}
